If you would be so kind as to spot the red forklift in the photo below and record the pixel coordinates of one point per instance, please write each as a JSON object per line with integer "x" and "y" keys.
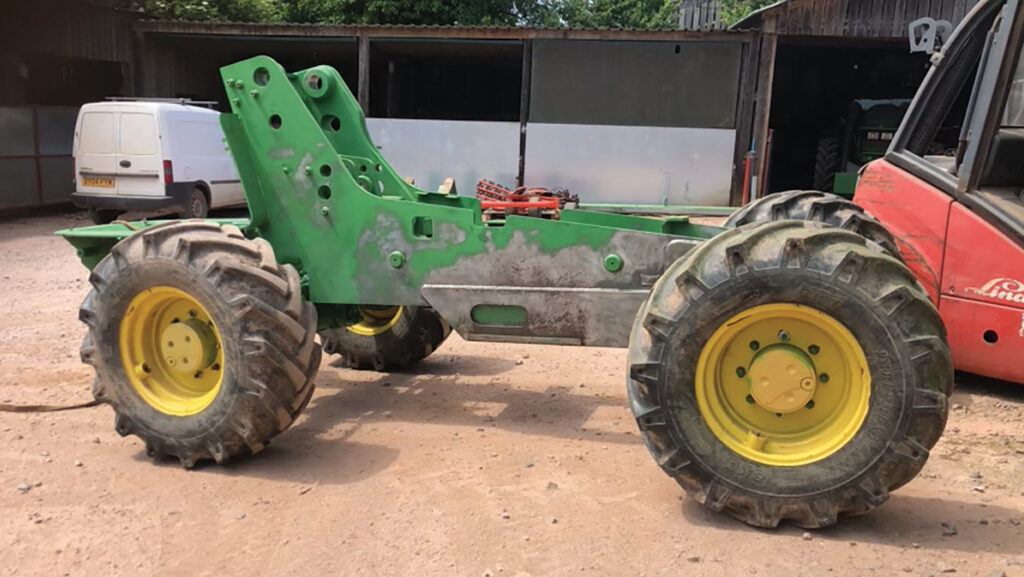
{"x": 957, "y": 221}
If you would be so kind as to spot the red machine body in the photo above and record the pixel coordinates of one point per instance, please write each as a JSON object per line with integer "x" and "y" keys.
{"x": 973, "y": 271}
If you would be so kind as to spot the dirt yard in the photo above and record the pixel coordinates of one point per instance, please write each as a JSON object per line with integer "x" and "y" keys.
{"x": 500, "y": 460}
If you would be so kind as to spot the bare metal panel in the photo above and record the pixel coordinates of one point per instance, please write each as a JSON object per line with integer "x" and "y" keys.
{"x": 18, "y": 187}
{"x": 432, "y": 150}
{"x": 632, "y": 164}
{"x": 56, "y": 175}
{"x": 684, "y": 84}
{"x": 16, "y": 138}
{"x": 56, "y": 129}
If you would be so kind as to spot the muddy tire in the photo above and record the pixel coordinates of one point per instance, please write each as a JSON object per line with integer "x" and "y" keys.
{"x": 405, "y": 336}
{"x": 812, "y": 273}
{"x": 254, "y": 334}
{"x": 814, "y": 206}
{"x": 826, "y": 163}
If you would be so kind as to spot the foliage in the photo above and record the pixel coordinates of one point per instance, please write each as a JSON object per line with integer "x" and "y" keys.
{"x": 733, "y": 11}
{"x": 201, "y": 10}
{"x": 546, "y": 13}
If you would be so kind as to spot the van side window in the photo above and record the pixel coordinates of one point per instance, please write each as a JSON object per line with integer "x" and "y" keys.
{"x": 97, "y": 133}
{"x": 138, "y": 134}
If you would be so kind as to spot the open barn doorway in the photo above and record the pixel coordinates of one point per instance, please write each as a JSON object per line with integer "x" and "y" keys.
{"x": 835, "y": 105}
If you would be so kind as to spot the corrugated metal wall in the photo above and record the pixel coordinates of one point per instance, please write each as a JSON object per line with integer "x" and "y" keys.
{"x": 61, "y": 53}
{"x": 67, "y": 28}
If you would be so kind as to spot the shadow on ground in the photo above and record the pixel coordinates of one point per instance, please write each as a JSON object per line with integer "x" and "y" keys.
{"x": 319, "y": 447}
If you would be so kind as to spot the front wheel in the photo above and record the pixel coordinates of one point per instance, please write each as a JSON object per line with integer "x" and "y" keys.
{"x": 201, "y": 342}
{"x": 789, "y": 370}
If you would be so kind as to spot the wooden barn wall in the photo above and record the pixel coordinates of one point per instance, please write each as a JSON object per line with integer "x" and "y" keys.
{"x": 860, "y": 18}
{"x": 700, "y": 15}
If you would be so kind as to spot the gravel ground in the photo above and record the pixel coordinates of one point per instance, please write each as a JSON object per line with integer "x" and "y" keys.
{"x": 488, "y": 459}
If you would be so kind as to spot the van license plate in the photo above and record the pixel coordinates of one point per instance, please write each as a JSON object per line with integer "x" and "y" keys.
{"x": 99, "y": 182}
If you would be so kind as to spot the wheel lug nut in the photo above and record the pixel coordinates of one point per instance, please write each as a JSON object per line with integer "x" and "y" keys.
{"x": 750, "y": 399}
{"x": 823, "y": 377}
{"x": 783, "y": 336}
{"x": 741, "y": 372}
{"x": 814, "y": 349}
{"x": 810, "y": 404}
{"x": 754, "y": 345}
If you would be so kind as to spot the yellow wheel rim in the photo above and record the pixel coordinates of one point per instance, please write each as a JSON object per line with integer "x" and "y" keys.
{"x": 376, "y": 321}
{"x": 171, "y": 351}
{"x": 783, "y": 385}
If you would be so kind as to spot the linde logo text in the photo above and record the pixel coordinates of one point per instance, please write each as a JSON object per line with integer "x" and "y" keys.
{"x": 1005, "y": 289}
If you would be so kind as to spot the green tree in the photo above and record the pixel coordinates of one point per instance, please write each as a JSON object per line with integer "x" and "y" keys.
{"x": 418, "y": 12}
{"x": 619, "y": 13}
{"x": 544, "y": 13}
{"x": 222, "y": 10}
{"x": 735, "y": 10}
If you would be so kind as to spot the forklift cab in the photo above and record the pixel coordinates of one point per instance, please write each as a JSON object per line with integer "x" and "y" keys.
{"x": 960, "y": 220}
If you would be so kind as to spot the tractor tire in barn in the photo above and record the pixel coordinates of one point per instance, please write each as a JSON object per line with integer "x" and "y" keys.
{"x": 826, "y": 163}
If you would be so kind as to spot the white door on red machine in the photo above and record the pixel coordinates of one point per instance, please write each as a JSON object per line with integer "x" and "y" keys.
{"x": 96, "y": 152}
{"x": 139, "y": 162}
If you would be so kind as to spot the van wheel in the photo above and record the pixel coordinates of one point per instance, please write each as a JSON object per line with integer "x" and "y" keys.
{"x": 198, "y": 206}
{"x": 102, "y": 216}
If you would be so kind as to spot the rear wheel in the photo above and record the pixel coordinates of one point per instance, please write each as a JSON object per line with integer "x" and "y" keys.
{"x": 201, "y": 342}
{"x": 789, "y": 370}
{"x": 388, "y": 338}
{"x": 814, "y": 206}
{"x": 198, "y": 205}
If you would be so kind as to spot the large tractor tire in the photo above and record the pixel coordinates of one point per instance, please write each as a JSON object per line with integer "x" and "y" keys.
{"x": 201, "y": 342}
{"x": 388, "y": 338}
{"x": 826, "y": 163}
{"x": 814, "y": 206}
{"x": 789, "y": 371}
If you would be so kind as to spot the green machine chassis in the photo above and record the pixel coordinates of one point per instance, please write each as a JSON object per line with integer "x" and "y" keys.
{"x": 330, "y": 204}
{"x": 777, "y": 370}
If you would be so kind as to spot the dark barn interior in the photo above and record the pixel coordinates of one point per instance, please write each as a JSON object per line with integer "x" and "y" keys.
{"x": 816, "y": 80}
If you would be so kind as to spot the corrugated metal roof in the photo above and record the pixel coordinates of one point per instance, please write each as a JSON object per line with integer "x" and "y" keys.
{"x": 175, "y": 27}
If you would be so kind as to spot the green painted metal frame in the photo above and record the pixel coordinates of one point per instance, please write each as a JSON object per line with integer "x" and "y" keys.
{"x": 329, "y": 203}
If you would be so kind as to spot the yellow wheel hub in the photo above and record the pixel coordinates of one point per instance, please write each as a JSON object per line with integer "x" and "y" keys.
{"x": 783, "y": 384}
{"x": 171, "y": 351}
{"x": 376, "y": 321}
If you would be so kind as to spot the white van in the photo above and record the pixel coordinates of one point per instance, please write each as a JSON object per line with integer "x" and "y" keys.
{"x": 152, "y": 156}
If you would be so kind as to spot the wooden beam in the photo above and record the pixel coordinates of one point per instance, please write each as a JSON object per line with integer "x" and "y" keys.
{"x": 744, "y": 115}
{"x": 524, "y": 108}
{"x": 364, "y": 74}
{"x": 763, "y": 108}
